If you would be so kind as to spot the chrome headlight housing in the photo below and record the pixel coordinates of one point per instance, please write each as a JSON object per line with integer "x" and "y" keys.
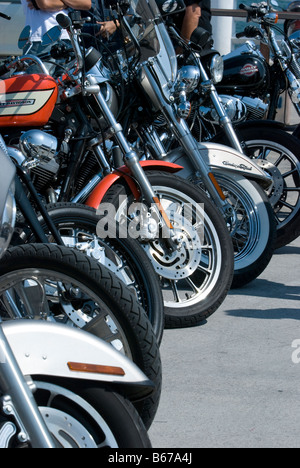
{"x": 217, "y": 68}
{"x": 190, "y": 77}
{"x": 8, "y": 220}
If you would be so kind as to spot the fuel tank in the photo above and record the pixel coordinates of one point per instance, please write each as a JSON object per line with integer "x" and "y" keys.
{"x": 27, "y": 100}
{"x": 246, "y": 73}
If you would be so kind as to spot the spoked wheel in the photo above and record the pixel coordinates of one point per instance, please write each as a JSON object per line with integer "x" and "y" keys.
{"x": 278, "y": 153}
{"x": 84, "y": 416}
{"x": 77, "y": 225}
{"x": 63, "y": 285}
{"x": 253, "y": 227}
{"x": 196, "y": 276}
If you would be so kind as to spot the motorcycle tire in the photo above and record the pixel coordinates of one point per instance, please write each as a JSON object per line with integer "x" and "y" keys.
{"x": 194, "y": 289}
{"x": 253, "y": 230}
{"x": 83, "y": 415}
{"x": 276, "y": 146}
{"x": 64, "y": 285}
{"x": 77, "y": 225}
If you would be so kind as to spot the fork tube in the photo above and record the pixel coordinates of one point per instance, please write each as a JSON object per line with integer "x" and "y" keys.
{"x": 190, "y": 146}
{"x": 224, "y": 120}
{"x": 130, "y": 156}
{"x": 13, "y": 384}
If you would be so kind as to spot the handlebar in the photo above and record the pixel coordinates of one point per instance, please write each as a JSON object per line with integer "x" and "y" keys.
{"x": 257, "y": 11}
{"x": 250, "y": 32}
{"x": 14, "y": 62}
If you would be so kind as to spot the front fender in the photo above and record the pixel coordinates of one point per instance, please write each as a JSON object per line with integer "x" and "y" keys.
{"x": 98, "y": 193}
{"x": 222, "y": 158}
{"x": 55, "y": 350}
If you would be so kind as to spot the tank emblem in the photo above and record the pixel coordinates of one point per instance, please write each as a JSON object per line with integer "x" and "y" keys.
{"x": 249, "y": 70}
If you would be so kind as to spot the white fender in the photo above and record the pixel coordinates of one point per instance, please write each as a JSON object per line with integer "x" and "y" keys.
{"x": 48, "y": 349}
{"x": 226, "y": 158}
{"x": 223, "y": 158}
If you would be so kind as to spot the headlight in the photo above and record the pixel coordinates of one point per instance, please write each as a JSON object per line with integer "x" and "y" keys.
{"x": 8, "y": 220}
{"x": 217, "y": 69}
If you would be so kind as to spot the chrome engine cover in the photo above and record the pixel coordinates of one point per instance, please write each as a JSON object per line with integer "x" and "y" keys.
{"x": 38, "y": 144}
{"x": 235, "y": 108}
{"x": 40, "y": 157}
{"x": 256, "y": 108}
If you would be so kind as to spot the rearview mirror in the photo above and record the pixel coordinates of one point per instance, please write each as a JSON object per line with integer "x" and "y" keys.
{"x": 51, "y": 36}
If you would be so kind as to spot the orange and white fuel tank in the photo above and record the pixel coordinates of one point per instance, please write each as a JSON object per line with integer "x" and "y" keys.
{"x": 27, "y": 100}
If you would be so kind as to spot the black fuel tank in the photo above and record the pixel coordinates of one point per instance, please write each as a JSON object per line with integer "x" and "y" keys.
{"x": 245, "y": 74}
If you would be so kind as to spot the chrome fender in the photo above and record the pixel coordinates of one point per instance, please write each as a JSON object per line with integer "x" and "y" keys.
{"x": 222, "y": 158}
{"x": 50, "y": 349}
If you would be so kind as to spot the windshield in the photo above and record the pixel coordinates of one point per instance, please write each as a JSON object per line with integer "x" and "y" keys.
{"x": 149, "y": 30}
{"x": 145, "y": 14}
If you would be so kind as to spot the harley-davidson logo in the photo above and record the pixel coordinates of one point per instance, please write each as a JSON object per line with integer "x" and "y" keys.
{"x": 243, "y": 167}
{"x": 17, "y": 102}
{"x": 249, "y": 70}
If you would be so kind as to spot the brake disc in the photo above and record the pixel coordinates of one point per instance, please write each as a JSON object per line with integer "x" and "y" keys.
{"x": 182, "y": 262}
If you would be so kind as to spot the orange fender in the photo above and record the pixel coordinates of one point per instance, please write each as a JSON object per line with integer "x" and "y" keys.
{"x": 99, "y": 192}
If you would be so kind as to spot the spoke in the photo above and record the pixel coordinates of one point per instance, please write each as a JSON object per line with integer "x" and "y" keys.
{"x": 279, "y": 160}
{"x": 291, "y": 189}
{"x": 262, "y": 153}
{"x": 194, "y": 287}
{"x": 10, "y": 306}
{"x": 104, "y": 332}
{"x": 206, "y": 270}
{"x": 175, "y": 291}
{"x": 287, "y": 205}
{"x": 287, "y": 174}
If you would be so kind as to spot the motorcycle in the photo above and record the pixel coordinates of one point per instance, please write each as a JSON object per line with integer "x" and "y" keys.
{"x": 62, "y": 285}
{"x": 251, "y": 88}
{"x": 188, "y": 246}
{"x": 60, "y": 387}
{"x": 77, "y": 226}
{"x": 156, "y": 122}
{"x": 220, "y": 118}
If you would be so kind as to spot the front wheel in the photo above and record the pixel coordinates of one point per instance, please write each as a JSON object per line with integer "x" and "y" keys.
{"x": 83, "y": 415}
{"x": 77, "y": 225}
{"x": 196, "y": 276}
{"x": 59, "y": 284}
{"x": 253, "y": 227}
{"x": 278, "y": 153}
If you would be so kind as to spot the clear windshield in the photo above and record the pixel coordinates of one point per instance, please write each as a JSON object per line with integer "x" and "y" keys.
{"x": 145, "y": 14}
{"x": 149, "y": 30}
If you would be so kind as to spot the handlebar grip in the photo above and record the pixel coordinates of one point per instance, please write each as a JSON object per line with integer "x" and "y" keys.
{"x": 242, "y": 6}
{"x": 63, "y": 21}
{"x": 250, "y": 32}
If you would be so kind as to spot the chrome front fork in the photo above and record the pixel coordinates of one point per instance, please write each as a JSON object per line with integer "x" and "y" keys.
{"x": 190, "y": 146}
{"x": 17, "y": 401}
{"x": 131, "y": 160}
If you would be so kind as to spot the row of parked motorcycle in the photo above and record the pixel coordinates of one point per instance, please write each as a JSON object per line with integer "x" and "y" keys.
{"x": 137, "y": 187}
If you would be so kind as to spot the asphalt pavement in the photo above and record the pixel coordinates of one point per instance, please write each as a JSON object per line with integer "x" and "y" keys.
{"x": 235, "y": 381}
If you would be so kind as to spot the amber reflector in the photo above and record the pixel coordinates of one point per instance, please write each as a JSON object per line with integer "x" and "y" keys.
{"x": 217, "y": 186}
{"x": 163, "y": 213}
{"x": 95, "y": 368}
